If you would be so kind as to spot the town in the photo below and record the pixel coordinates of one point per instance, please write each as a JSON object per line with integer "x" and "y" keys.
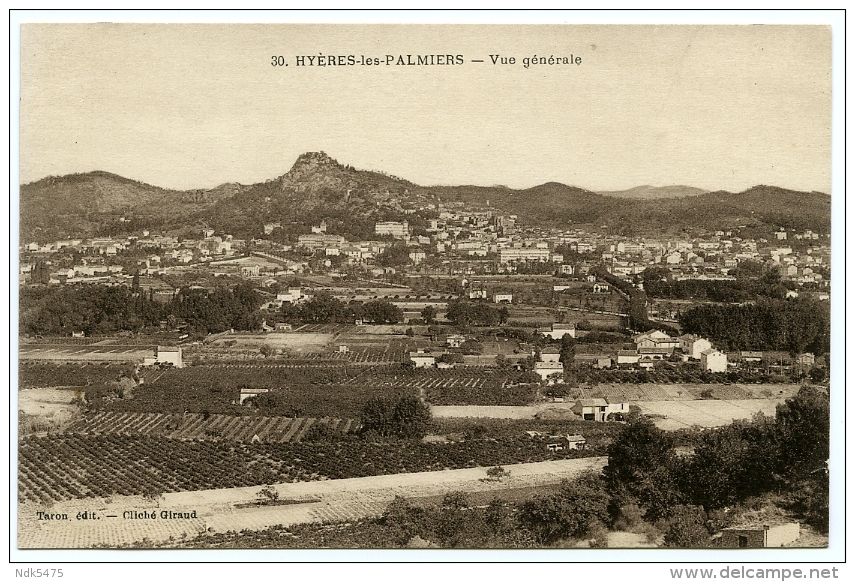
{"x": 311, "y": 351}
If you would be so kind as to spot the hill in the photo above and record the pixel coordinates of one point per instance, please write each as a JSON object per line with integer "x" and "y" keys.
{"x": 317, "y": 188}
{"x": 654, "y": 192}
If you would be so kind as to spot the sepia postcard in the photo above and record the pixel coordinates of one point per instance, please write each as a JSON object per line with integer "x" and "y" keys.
{"x": 426, "y": 286}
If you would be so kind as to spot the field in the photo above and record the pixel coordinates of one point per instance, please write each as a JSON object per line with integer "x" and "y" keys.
{"x": 293, "y": 342}
{"x": 74, "y": 466}
{"x": 233, "y": 509}
{"x": 84, "y": 353}
{"x": 45, "y": 375}
{"x": 277, "y": 429}
{"x": 671, "y": 415}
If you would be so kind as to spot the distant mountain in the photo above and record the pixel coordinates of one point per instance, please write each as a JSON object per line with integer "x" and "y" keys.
{"x": 317, "y": 188}
{"x": 654, "y": 192}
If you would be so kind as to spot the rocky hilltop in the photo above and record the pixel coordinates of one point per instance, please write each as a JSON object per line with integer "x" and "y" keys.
{"x": 319, "y": 187}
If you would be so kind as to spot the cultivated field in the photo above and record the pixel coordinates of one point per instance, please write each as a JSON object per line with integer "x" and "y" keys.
{"x": 84, "y": 353}
{"x": 670, "y": 415}
{"x": 234, "y": 509}
{"x": 277, "y": 429}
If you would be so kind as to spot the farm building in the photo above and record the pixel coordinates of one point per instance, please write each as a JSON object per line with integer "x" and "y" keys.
{"x": 760, "y": 536}
{"x": 550, "y": 354}
{"x": 251, "y": 392}
{"x": 455, "y": 340}
{"x": 693, "y": 345}
{"x": 713, "y": 361}
{"x": 598, "y": 409}
{"x": 503, "y": 298}
{"x": 559, "y": 330}
{"x": 546, "y": 369}
{"x": 627, "y": 357}
{"x": 422, "y": 359}
{"x": 165, "y": 355}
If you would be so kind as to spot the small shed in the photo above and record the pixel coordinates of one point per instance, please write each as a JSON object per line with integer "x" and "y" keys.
{"x": 760, "y": 536}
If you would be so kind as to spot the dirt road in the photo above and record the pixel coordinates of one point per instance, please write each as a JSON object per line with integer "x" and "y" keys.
{"x": 189, "y": 513}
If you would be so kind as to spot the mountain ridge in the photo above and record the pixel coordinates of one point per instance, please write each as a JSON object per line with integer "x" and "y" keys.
{"x": 316, "y": 184}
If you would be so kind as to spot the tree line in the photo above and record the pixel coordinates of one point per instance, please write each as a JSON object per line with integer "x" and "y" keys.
{"x": 101, "y": 309}
{"x": 324, "y": 308}
{"x": 796, "y": 325}
{"x": 659, "y": 283}
{"x": 464, "y": 313}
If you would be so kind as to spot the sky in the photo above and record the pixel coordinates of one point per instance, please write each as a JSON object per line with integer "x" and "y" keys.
{"x": 193, "y": 106}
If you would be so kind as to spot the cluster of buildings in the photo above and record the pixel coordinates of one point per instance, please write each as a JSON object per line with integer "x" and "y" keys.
{"x": 457, "y": 241}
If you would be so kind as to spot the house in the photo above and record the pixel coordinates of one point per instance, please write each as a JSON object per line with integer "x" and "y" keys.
{"x": 806, "y": 359}
{"x": 656, "y": 338}
{"x": 760, "y": 536}
{"x": 283, "y": 327}
{"x": 546, "y": 369}
{"x": 421, "y": 359}
{"x": 693, "y": 345}
{"x": 503, "y": 298}
{"x": 598, "y": 409}
{"x": 251, "y": 392}
{"x": 591, "y": 409}
{"x": 550, "y": 354}
{"x": 165, "y": 355}
{"x": 627, "y": 357}
{"x": 575, "y": 442}
{"x": 713, "y": 361}
{"x": 601, "y": 288}
{"x": 654, "y": 352}
{"x": 559, "y": 330}
{"x": 751, "y": 357}
{"x": 455, "y": 340}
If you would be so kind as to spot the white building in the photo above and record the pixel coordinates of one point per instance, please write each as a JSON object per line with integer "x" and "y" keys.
{"x": 559, "y": 330}
{"x": 395, "y": 229}
{"x": 503, "y": 298}
{"x": 166, "y": 355}
{"x": 421, "y": 359}
{"x": 713, "y": 361}
{"x": 546, "y": 369}
{"x": 693, "y": 346}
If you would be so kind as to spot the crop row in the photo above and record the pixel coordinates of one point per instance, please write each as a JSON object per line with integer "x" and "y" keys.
{"x": 314, "y": 391}
{"x": 73, "y": 466}
{"x": 46, "y": 375}
{"x": 277, "y": 429}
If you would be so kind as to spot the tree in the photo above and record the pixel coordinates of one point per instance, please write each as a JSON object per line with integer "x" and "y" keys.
{"x": 579, "y": 506}
{"x": 472, "y": 347}
{"x": 641, "y": 468}
{"x": 323, "y": 308}
{"x": 502, "y": 363}
{"x": 382, "y": 311}
{"x": 503, "y": 315}
{"x": 568, "y": 350}
{"x": 266, "y": 350}
{"x": 687, "y": 528}
{"x": 409, "y": 417}
{"x": 803, "y": 429}
{"x": 268, "y": 495}
{"x": 429, "y": 314}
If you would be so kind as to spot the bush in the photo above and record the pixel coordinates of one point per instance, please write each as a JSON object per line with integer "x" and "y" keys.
{"x": 409, "y": 417}
{"x": 687, "y": 528}
{"x": 575, "y": 510}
